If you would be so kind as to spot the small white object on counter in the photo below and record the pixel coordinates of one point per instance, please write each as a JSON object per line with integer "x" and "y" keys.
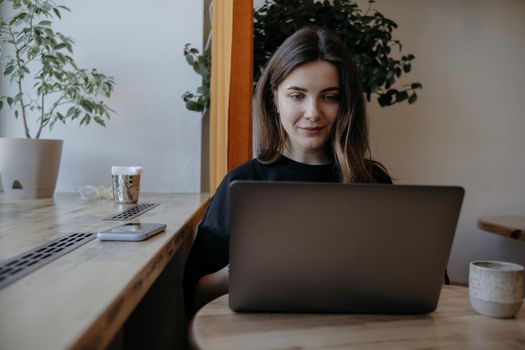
{"x": 89, "y": 192}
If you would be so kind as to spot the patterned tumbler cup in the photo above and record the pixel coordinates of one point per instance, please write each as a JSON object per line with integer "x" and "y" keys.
{"x": 126, "y": 184}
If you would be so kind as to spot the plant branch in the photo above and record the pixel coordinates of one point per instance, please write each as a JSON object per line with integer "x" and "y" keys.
{"x": 19, "y": 84}
{"x": 42, "y": 101}
{"x": 44, "y": 122}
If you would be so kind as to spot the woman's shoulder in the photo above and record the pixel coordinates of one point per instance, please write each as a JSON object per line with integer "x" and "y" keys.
{"x": 378, "y": 172}
{"x": 249, "y": 170}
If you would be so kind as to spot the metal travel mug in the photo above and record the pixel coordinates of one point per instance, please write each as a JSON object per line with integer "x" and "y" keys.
{"x": 126, "y": 184}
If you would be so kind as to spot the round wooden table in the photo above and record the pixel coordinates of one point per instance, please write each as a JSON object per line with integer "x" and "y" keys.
{"x": 453, "y": 325}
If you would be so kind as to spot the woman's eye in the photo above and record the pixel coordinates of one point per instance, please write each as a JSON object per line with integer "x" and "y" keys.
{"x": 331, "y": 98}
{"x": 296, "y": 97}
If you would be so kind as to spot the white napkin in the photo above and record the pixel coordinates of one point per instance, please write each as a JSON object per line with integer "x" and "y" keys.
{"x": 89, "y": 192}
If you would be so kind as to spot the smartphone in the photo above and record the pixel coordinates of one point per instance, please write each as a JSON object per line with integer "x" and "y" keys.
{"x": 132, "y": 231}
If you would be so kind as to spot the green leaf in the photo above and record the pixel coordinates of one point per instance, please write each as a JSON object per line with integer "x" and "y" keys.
{"x": 1, "y": 104}
{"x": 17, "y": 18}
{"x": 16, "y": 114}
{"x": 203, "y": 70}
{"x": 401, "y": 96}
{"x": 398, "y": 72}
{"x": 44, "y": 23}
{"x": 70, "y": 112}
{"x": 8, "y": 70}
{"x": 55, "y": 10}
{"x": 189, "y": 59}
{"x": 100, "y": 121}
{"x": 85, "y": 120}
{"x": 412, "y": 98}
{"x": 194, "y": 106}
{"x": 187, "y": 96}
{"x": 9, "y": 101}
{"x": 87, "y": 105}
{"x": 384, "y": 100}
{"x": 196, "y": 66}
{"x": 18, "y": 97}
{"x": 76, "y": 113}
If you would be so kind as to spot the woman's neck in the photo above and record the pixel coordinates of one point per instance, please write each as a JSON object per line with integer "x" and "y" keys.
{"x": 311, "y": 158}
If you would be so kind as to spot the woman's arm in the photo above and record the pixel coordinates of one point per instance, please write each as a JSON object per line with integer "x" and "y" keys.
{"x": 209, "y": 252}
{"x": 211, "y": 286}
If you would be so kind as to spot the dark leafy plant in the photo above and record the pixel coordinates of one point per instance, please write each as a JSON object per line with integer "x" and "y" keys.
{"x": 199, "y": 101}
{"x": 30, "y": 44}
{"x": 368, "y": 35}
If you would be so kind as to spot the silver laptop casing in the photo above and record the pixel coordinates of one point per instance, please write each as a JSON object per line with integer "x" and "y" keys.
{"x": 342, "y": 248}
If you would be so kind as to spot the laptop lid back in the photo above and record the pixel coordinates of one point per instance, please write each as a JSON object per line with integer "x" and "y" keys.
{"x": 358, "y": 248}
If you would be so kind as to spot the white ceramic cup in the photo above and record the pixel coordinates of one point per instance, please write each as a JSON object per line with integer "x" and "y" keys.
{"x": 496, "y": 288}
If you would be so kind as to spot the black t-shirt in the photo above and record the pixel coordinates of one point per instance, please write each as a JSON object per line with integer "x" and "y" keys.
{"x": 210, "y": 249}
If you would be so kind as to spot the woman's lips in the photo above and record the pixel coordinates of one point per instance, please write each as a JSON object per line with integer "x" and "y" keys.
{"x": 312, "y": 129}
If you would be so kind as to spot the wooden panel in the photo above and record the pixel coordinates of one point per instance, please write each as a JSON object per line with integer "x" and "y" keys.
{"x": 240, "y": 121}
{"x": 220, "y": 90}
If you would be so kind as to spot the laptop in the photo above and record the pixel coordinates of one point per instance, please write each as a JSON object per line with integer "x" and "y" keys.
{"x": 339, "y": 248}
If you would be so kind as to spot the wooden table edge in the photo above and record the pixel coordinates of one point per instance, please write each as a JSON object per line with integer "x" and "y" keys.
{"x": 106, "y": 326}
{"x": 195, "y": 344}
{"x": 493, "y": 227}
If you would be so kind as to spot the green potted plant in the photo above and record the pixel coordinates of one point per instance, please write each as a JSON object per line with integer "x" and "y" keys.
{"x": 48, "y": 88}
{"x": 368, "y": 34}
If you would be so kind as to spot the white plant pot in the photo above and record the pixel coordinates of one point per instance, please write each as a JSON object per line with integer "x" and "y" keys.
{"x": 29, "y": 168}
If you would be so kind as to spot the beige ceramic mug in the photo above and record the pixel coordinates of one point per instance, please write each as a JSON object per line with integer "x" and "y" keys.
{"x": 496, "y": 288}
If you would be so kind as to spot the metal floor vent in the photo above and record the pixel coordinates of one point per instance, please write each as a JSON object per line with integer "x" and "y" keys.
{"x": 20, "y": 265}
{"x": 133, "y": 212}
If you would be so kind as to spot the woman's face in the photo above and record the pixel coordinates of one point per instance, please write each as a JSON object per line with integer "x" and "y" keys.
{"x": 308, "y": 105}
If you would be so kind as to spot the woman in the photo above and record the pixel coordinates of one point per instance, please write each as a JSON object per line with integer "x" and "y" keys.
{"x": 312, "y": 127}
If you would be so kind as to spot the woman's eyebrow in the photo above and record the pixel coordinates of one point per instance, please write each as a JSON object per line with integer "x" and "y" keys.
{"x": 297, "y": 88}
{"x": 332, "y": 88}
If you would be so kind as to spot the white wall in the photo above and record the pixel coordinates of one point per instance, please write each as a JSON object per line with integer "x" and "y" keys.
{"x": 139, "y": 43}
{"x": 467, "y": 126}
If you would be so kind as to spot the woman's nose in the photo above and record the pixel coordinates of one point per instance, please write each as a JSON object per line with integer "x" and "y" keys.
{"x": 312, "y": 111}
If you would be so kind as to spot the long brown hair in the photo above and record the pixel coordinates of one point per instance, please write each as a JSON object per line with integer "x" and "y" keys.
{"x": 349, "y": 144}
